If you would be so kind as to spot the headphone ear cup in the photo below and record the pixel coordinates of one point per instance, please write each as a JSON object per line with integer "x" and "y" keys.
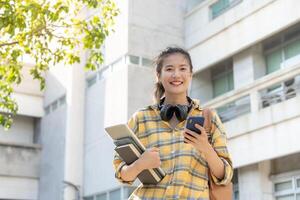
{"x": 181, "y": 112}
{"x": 166, "y": 112}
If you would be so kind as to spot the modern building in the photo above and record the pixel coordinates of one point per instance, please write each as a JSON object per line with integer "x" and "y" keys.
{"x": 246, "y": 57}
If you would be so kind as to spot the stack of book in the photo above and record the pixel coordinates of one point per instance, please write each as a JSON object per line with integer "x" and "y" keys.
{"x": 130, "y": 149}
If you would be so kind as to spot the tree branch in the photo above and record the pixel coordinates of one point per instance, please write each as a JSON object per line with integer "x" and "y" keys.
{"x": 7, "y": 44}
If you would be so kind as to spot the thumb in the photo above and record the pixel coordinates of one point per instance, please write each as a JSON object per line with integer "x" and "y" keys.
{"x": 154, "y": 149}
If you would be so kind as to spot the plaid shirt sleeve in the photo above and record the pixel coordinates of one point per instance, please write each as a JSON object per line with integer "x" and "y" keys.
{"x": 219, "y": 143}
{"x": 118, "y": 163}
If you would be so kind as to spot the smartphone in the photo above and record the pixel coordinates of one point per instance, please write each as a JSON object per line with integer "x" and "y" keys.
{"x": 192, "y": 121}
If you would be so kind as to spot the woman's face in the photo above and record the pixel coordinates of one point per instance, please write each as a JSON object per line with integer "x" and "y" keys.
{"x": 175, "y": 75}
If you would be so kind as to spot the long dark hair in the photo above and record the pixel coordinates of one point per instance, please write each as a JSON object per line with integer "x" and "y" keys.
{"x": 159, "y": 89}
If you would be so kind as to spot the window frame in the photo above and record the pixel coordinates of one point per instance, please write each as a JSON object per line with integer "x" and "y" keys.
{"x": 232, "y": 3}
{"x": 283, "y": 44}
{"x": 289, "y": 176}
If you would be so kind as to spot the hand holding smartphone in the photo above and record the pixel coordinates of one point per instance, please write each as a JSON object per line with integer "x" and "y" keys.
{"x": 192, "y": 121}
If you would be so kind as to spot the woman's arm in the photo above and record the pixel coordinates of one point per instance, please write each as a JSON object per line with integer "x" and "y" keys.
{"x": 216, "y": 154}
{"x": 148, "y": 160}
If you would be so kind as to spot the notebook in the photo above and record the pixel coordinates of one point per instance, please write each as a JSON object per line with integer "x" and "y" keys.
{"x": 129, "y": 154}
{"x": 123, "y": 135}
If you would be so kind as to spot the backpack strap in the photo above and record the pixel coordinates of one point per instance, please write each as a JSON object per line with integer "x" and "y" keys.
{"x": 207, "y": 114}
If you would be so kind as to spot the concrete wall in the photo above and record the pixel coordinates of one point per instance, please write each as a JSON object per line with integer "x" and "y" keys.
{"x": 254, "y": 182}
{"x": 234, "y": 31}
{"x": 140, "y": 95}
{"x": 272, "y": 134}
{"x": 18, "y": 188}
{"x": 106, "y": 104}
{"x": 154, "y": 25}
{"x": 53, "y": 138}
{"x": 201, "y": 87}
{"x": 22, "y": 131}
{"x": 116, "y": 44}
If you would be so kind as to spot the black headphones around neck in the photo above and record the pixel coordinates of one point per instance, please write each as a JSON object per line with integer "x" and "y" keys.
{"x": 181, "y": 111}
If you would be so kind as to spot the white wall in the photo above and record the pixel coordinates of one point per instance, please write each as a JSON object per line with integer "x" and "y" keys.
{"x": 154, "y": 25}
{"x": 273, "y": 134}
{"x": 116, "y": 44}
{"x": 22, "y": 131}
{"x": 106, "y": 104}
{"x": 231, "y": 33}
{"x": 18, "y": 188}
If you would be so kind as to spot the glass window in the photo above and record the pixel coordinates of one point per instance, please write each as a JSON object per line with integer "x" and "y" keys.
{"x": 101, "y": 196}
{"x": 292, "y": 49}
{"x": 223, "y": 84}
{"x": 128, "y": 191}
{"x": 89, "y": 198}
{"x": 218, "y": 7}
{"x": 285, "y": 197}
{"x": 192, "y": 4}
{"x": 54, "y": 105}
{"x": 115, "y": 194}
{"x": 146, "y": 62}
{"x": 47, "y": 110}
{"x": 220, "y": 86}
{"x": 133, "y": 59}
{"x": 273, "y": 61}
{"x": 221, "y": 6}
{"x": 283, "y": 186}
{"x": 298, "y": 196}
{"x": 62, "y": 100}
{"x": 298, "y": 183}
{"x": 91, "y": 81}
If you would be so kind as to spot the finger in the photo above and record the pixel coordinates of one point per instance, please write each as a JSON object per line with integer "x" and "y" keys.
{"x": 189, "y": 137}
{"x": 194, "y": 134}
{"x": 201, "y": 128}
{"x": 155, "y": 149}
{"x": 187, "y": 141}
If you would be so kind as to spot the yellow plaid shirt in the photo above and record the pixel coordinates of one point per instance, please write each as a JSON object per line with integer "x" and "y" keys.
{"x": 186, "y": 169}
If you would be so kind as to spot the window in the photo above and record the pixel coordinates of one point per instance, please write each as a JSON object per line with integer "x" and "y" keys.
{"x": 222, "y": 6}
{"x": 287, "y": 188}
{"x": 54, "y": 105}
{"x": 146, "y": 62}
{"x": 282, "y": 48}
{"x": 91, "y": 81}
{"x": 235, "y": 182}
{"x": 222, "y": 79}
{"x": 128, "y": 191}
{"x": 191, "y": 4}
{"x": 133, "y": 59}
{"x": 115, "y": 194}
{"x": 47, "y": 110}
{"x": 62, "y": 100}
{"x": 234, "y": 109}
{"x": 101, "y": 196}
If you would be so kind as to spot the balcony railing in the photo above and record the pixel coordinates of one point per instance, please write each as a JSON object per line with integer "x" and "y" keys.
{"x": 274, "y": 88}
{"x": 280, "y": 92}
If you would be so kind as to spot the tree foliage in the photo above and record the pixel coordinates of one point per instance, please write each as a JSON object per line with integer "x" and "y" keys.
{"x": 49, "y": 32}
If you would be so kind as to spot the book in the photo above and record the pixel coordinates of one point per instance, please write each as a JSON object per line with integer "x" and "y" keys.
{"x": 140, "y": 149}
{"x": 129, "y": 154}
{"x": 123, "y": 135}
{"x": 128, "y": 140}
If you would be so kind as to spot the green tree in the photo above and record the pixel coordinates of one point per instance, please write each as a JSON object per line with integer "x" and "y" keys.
{"x": 50, "y": 32}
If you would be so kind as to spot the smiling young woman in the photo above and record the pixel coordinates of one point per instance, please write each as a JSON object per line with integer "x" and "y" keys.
{"x": 187, "y": 158}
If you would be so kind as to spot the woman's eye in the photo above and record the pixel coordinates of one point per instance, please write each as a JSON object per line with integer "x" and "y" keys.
{"x": 183, "y": 69}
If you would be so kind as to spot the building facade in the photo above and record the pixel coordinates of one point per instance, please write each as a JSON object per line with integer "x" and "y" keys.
{"x": 246, "y": 57}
